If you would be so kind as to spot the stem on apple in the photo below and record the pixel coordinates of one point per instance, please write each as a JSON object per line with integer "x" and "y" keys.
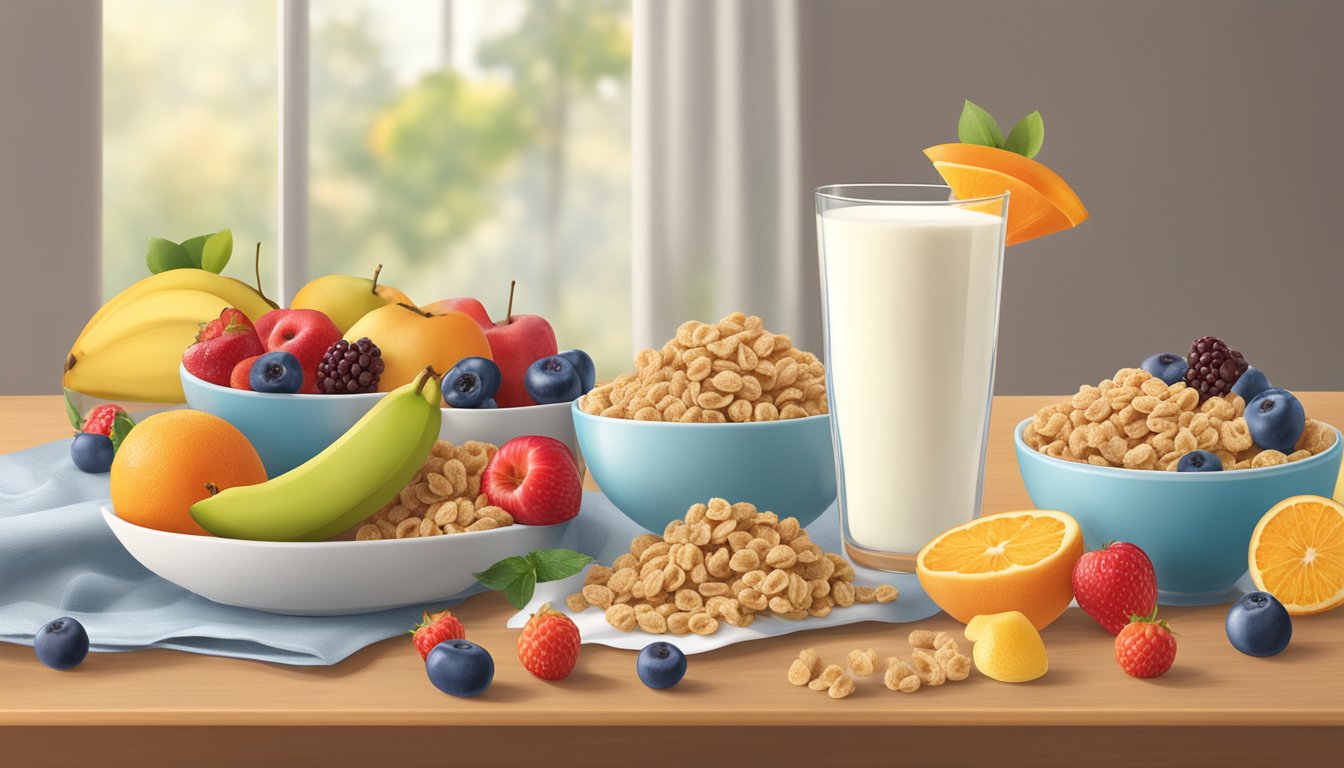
{"x": 508, "y": 315}
{"x": 378, "y": 270}
{"x": 416, "y": 310}
{"x": 256, "y": 265}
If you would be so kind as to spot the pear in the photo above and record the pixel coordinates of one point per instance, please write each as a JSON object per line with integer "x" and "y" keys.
{"x": 346, "y": 298}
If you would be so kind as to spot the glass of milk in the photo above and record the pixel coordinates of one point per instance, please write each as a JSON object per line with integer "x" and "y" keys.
{"x": 910, "y": 284}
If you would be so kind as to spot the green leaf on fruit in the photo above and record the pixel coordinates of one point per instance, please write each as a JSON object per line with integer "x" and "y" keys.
{"x": 977, "y": 126}
{"x": 122, "y": 424}
{"x": 164, "y": 255}
{"x": 1027, "y": 136}
{"x": 217, "y": 251}
{"x": 194, "y": 247}
{"x": 71, "y": 412}
{"x": 517, "y": 577}
{"x": 557, "y": 564}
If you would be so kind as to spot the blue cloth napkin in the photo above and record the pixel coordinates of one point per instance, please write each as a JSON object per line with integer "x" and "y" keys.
{"x": 59, "y": 558}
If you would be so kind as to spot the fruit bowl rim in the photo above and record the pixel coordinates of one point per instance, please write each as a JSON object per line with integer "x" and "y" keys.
{"x": 109, "y": 514}
{"x": 513, "y": 409}
{"x": 776, "y": 424}
{"x": 1163, "y": 475}
{"x": 182, "y": 370}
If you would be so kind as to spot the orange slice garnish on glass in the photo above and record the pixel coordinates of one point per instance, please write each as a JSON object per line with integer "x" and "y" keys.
{"x": 1039, "y": 202}
{"x": 1297, "y": 554}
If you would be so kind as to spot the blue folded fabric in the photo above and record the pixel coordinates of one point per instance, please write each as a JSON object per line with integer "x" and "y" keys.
{"x": 59, "y": 558}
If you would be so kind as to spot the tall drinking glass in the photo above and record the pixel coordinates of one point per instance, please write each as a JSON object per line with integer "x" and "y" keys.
{"x": 910, "y": 283}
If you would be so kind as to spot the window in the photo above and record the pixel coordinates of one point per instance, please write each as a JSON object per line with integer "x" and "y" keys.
{"x": 460, "y": 143}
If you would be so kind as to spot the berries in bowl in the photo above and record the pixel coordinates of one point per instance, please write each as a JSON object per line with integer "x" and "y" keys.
{"x": 1183, "y": 471}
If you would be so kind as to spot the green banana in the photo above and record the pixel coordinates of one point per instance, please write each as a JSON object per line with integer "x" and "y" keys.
{"x": 345, "y": 483}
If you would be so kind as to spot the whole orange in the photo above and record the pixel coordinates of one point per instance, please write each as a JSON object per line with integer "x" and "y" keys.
{"x": 166, "y": 461}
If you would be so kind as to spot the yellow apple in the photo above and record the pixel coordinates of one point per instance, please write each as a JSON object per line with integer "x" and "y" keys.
{"x": 411, "y": 339}
{"x": 346, "y": 298}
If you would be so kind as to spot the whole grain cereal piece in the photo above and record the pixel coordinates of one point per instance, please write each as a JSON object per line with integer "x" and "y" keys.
{"x": 922, "y": 638}
{"x": 813, "y": 661}
{"x": 886, "y": 593}
{"x": 930, "y": 672}
{"x": 943, "y": 638}
{"x": 842, "y": 687}
{"x": 958, "y": 667}
{"x": 900, "y": 677}
{"x": 799, "y": 673}
{"x": 622, "y": 617}
{"x": 826, "y": 678}
{"x": 576, "y": 602}
{"x": 862, "y": 663}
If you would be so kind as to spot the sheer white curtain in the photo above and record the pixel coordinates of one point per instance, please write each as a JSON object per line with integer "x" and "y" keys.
{"x": 718, "y": 197}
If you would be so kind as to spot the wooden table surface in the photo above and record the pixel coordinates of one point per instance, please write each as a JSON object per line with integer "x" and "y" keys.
{"x": 377, "y": 706}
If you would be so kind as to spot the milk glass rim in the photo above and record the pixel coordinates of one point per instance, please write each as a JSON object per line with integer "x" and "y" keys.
{"x": 827, "y": 191}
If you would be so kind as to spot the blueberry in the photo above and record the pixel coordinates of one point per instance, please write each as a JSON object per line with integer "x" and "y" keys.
{"x": 471, "y": 383}
{"x": 92, "y": 452}
{"x": 62, "y": 644}
{"x": 1276, "y": 420}
{"x": 1199, "y": 461}
{"x": 1259, "y": 625}
{"x": 661, "y": 665}
{"x": 1252, "y": 383}
{"x": 552, "y": 380}
{"x": 584, "y": 365}
{"x": 488, "y": 404}
{"x": 460, "y": 668}
{"x": 1167, "y": 366}
{"x": 276, "y": 372}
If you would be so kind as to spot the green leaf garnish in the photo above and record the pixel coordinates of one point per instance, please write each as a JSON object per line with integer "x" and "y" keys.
{"x": 164, "y": 255}
{"x": 977, "y": 126}
{"x": 122, "y": 424}
{"x": 517, "y": 577}
{"x": 1027, "y": 136}
{"x": 217, "y": 250}
{"x": 71, "y": 412}
{"x": 194, "y": 247}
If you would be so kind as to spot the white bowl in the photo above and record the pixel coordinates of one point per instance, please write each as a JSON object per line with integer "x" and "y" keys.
{"x": 329, "y": 578}
{"x": 500, "y": 425}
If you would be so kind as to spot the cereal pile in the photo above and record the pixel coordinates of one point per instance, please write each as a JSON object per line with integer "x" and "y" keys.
{"x": 1136, "y": 421}
{"x": 444, "y": 497}
{"x": 724, "y": 562}
{"x": 935, "y": 660}
{"x": 734, "y": 370}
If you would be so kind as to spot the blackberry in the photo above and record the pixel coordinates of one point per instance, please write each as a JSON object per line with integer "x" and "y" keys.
{"x": 1214, "y": 368}
{"x": 348, "y": 369}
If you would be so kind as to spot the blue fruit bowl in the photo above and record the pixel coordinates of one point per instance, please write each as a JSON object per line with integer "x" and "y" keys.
{"x": 1195, "y": 526}
{"x": 653, "y": 471}
{"x": 286, "y": 430}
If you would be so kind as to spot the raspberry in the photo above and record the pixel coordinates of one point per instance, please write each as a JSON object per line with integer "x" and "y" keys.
{"x": 348, "y": 369}
{"x": 1214, "y": 368}
{"x": 99, "y": 421}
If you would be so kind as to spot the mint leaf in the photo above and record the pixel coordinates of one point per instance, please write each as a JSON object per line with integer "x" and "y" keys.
{"x": 505, "y": 572}
{"x": 217, "y": 250}
{"x": 121, "y": 427}
{"x": 72, "y": 413}
{"x": 194, "y": 246}
{"x": 977, "y": 126}
{"x": 557, "y": 564}
{"x": 1027, "y": 136}
{"x": 164, "y": 255}
{"x": 519, "y": 591}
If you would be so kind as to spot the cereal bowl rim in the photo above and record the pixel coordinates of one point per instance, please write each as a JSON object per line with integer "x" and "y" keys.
{"x": 776, "y": 424}
{"x": 343, "y": 398}
{"x": 1162, "y": 475}
{"x": 113, "y": 520}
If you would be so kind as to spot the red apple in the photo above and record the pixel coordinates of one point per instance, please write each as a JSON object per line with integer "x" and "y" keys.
{"x": 515, "y": 343}
{"x": 534, "y": 478}
{"x": 220, "y": 345}
{"x": 304, "y": 333}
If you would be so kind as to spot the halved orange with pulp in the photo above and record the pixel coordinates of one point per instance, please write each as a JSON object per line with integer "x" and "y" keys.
{"x": 1297, "y": 554}
{"x": 1012, "y": 561}
{"x": 1039, "y": 202}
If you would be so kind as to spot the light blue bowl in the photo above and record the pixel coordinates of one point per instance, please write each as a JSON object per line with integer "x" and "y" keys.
{"x": 654, "y": 471}
{"x": 286, "y": 430}
{"x": 1195, "y": 526}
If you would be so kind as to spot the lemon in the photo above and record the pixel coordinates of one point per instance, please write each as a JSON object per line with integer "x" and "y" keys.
{"x": 1007, "y": 647}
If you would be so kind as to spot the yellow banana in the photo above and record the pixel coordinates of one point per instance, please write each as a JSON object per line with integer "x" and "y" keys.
{"x": 141, "y": 367}
{"x": 345, "y": 483}
{"x": 172, "y": 307}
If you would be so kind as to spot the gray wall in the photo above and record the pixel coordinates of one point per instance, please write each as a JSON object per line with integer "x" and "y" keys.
{"x": 1206, "y": 138}
{"x": 50, "y": 184}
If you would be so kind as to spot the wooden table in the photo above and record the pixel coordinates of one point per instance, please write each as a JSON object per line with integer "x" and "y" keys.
{"x": 376, "y": 708}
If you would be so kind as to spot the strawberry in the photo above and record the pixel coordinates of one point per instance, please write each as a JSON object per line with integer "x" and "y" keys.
{"x": 549, "y": 644}
{"x": 1114, "y": 583}
{"x": 434, "y": 629}
{"x": 221, "y": 345}
{"x": 241, "y": 378}
{"x": 1145, "y": 647}
{"x": 534, "y": 479}
{"x": 99, "y": 421}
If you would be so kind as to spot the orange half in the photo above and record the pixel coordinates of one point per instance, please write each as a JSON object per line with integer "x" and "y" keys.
{"x": 1039, "y": 203}
{"x": 1297, "y": 554}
